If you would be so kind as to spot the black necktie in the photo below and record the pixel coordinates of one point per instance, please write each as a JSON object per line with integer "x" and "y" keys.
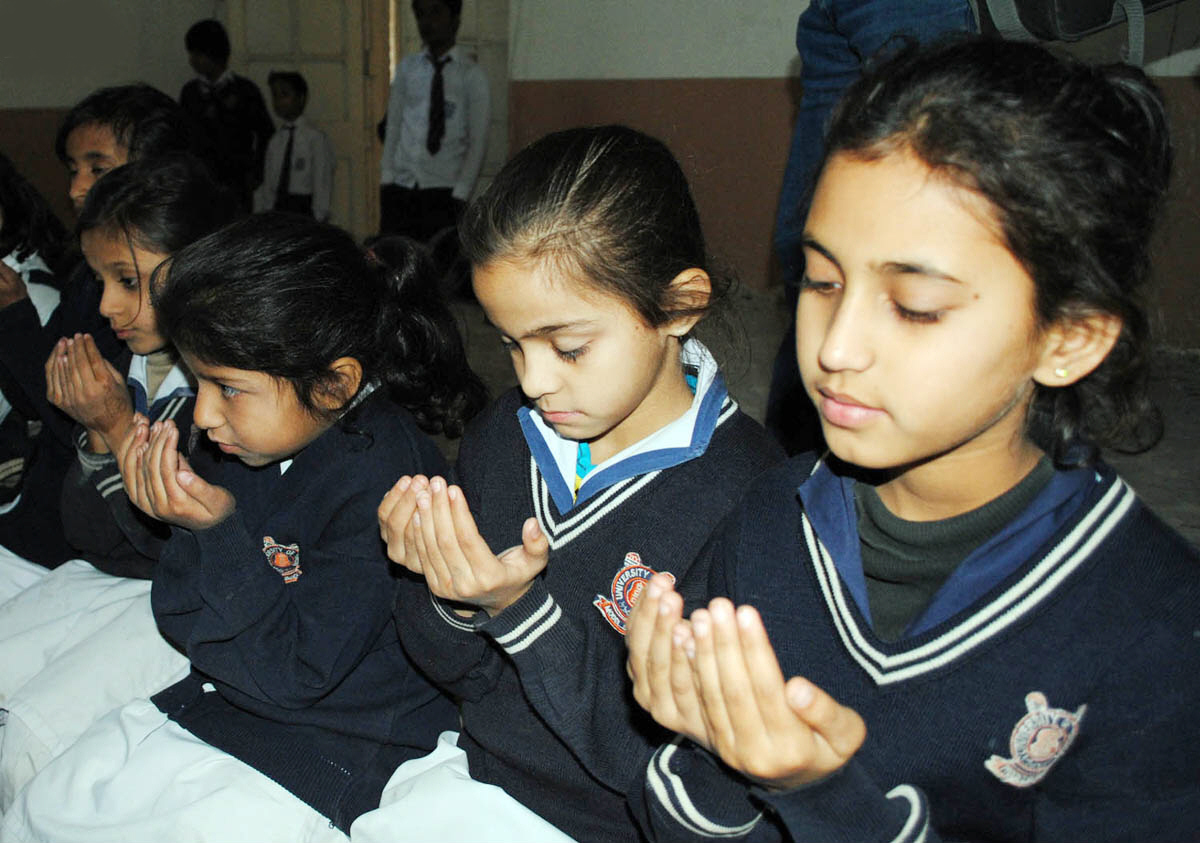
{"x": 437, "y": 107}
{"x": 285, "y": 175}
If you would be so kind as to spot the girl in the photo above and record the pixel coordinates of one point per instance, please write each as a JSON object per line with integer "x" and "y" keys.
{"x": 31, "y": 243}
{"x": 60, "y": 637}
{"x": 615, "y": 458}
{"x": 306, "y": 356}
{"x": 108, "y": 128}
{"x": 961, "y": 572}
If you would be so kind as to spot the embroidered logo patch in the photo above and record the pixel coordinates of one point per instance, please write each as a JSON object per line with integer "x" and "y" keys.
{"x": 1038, "y": 740}
{"x": 284, "y": 558}
{"x": 626, "y": 588}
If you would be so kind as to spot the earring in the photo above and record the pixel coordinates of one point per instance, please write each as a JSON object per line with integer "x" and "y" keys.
{"x": 1061, "y": 372}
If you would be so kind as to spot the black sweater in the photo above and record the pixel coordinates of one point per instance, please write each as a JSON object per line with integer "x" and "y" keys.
{"x": 545, "y": 704}
{"x": 285, "y": 609}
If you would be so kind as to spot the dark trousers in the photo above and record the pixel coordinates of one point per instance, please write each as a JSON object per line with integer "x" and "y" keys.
{"x": 295, "y": 203}
{"x": 417, "y": 212}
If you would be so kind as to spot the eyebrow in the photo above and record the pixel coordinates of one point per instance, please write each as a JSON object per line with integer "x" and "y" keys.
{"x": 887, "y": 268}
{"x": 547, "y": 330}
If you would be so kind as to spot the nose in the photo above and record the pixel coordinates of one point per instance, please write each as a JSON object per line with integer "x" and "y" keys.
{"x": 537, "y": 371}
{"x": 847, "y": 344}
{"x": 81, "y": 183}
{"x": 109, "y": 306}
{"x": 206, "y": 414}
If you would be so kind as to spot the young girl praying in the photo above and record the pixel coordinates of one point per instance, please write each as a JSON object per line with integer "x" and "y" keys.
{"x": 616, "y": 457}
{"x": 959, "y": 623}
{"x": 315, "y": 367}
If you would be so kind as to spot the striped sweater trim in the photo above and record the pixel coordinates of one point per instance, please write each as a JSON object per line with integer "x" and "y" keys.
{"x": 561, "y": 533}
{"x": 532, "y": 628}
{"x": 916, "y": 827}
{"x": 671, "y": 792}
{"x": 1010, "y": 607}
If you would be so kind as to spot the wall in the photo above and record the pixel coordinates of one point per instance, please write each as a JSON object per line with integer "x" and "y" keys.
{"x": 58, "y": 51}
{"x": 725, "y": 104}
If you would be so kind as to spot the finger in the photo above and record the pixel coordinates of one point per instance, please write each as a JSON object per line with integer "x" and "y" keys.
{"x": 708, "y": 672}
{"x": 534, "y": 542}
{"x": 156, "y": 483}
{"x": 669, "y": 611}
{"x": 130, "y": 459}
{"x": 96, "y": 363}
{"x": 640, "y": 628}
{"x": 412, "y": 554}
{"x": 841, "y": 728}
{"x": 683, "y": 684}
{"x": 441, "y": 540}
{"x": 466, "y": 538}
{"x": 391, "y": 500}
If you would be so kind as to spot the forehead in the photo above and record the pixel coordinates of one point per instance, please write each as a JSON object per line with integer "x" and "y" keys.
{"x": 95, "y": 140}
{"x": 520, "y": 296}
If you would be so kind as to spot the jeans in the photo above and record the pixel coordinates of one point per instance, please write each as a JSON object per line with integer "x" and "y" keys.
{"x": 835, "y": 39}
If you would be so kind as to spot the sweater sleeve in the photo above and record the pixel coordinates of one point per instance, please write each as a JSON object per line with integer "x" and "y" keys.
{"x": 283, "y": 637}
{"x": 100, "y": 522}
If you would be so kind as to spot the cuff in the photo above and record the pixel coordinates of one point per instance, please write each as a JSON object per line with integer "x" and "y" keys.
{"x": 698, "y": 794}
{"x": 525, "y": 621}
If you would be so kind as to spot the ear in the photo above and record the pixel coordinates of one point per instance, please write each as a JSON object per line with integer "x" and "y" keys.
{"x": 1074, "y": 346}
{"x": 348, "y": 374}
{"x": 689, "y": 290}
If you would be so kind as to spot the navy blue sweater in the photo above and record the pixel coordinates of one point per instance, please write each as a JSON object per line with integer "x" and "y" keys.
{"x": 285, "y": 608}
{"x": 546, "y": 709}
{"x": 1050, "y": 693}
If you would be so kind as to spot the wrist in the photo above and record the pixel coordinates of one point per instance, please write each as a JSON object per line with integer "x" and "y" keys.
{"x": 96, "y": 442}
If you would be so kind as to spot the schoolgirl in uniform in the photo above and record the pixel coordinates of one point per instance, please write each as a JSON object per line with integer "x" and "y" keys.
{"x": 81, "y": 639}
{"x": 614, "y": 459}
{"x": 989, "y": 637}
{"x": 31, "y": 244}
{"x": 315, "y": 367}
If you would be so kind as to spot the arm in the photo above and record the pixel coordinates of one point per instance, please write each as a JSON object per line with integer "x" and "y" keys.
{"x": 323, "y": 165}
{"x": 478, "y": 114}
{"x": 441, "y": 637}
{"x": 264, "y": 194}
{"x": 283, "y": 636}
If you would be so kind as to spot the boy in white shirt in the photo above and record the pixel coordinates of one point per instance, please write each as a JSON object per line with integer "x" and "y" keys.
{"x": 298, "y": 170}
{"x": 436, "y": 129}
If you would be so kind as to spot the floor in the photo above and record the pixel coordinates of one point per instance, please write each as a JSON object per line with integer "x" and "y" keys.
{"x": 1167, "y": 477}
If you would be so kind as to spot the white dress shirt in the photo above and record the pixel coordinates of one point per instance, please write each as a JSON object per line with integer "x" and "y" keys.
{"x": 456, "y": 165}
{"x": 312, "y": 167}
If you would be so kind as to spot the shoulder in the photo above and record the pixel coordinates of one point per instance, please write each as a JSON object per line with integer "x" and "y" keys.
{"x": 379, "y": 439}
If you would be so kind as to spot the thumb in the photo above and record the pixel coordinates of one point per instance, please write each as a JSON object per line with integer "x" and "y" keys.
{"x": 534, "y": 541}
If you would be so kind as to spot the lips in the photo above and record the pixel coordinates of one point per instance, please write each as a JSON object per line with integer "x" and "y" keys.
{"x": 843, "y": 410}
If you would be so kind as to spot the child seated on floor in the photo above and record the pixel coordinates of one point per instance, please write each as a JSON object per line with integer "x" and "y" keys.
{"x": 959, "y": 624}
{"x": 315, "y": 368}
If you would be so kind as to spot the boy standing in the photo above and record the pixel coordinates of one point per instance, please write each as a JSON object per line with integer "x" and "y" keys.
{"x": 229, "y": 107}
{"x": 436, "y": 129}
{"x": 298, "y": 171}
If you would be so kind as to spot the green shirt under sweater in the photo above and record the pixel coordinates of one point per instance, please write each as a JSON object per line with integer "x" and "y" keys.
{"x": 906, "y": 562}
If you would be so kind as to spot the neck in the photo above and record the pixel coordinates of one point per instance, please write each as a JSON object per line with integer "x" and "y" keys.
{"x": 954, "y": 483}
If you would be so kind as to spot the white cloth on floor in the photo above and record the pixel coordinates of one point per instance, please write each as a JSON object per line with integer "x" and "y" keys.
{"x": 137, "y": 776}
{"x": 434, "y": 798}
{"x": 75, "y": 645}
{"x": 16, "y": 574}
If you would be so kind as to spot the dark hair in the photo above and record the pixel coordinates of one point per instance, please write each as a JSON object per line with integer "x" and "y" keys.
{"x": 1074, "y": 161}
{"x": 158, "y": 204}
{"x": 292, "y": 79}
{"x": 607, "y": 205}
{"x": 143, "y": 119}
{"x": 455, "y": 6}
{"x": 287, "y": 295}
{"x": 27, "y": 224}
{"x": 210, "y": 38}
{"x": 161, "y": 204}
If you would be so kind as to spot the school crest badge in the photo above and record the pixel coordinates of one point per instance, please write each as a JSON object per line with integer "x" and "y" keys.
{"x": 626, "y": 588}
{"x": 1038, "y": 740}
{"x": 284, "y": 558}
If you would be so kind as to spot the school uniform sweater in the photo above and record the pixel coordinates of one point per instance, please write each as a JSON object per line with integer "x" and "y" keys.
{"x": 33, "y": 528}
{"x": 99, "y": 522}
{"x": 546, "y": 710}
{"x": 1048, "y": 692}
{"x": 284, "y": 610}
